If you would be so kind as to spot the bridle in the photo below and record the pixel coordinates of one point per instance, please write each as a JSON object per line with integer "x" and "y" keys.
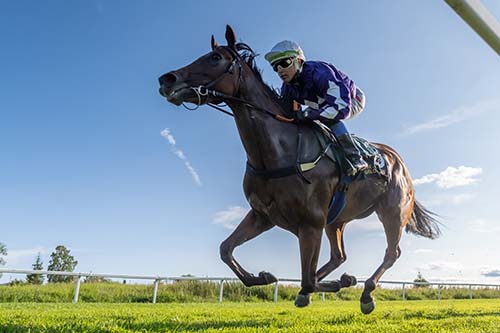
{"x": 206, "y": 91}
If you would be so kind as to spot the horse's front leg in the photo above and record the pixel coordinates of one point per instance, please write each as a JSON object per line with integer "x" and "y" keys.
{"x": 252, "y": 225}
{"x": 335, "y": 233}
{"x": 310, "y": 243}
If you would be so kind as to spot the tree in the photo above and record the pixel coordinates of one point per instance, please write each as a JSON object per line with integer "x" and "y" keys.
{"x": 37, "y": 266}
{"x": 422, "y": 281}
{"x": 16, "y": 282}
{"x": 61, "y": 260}
{"x": 3, "y": 252}
{"x": 96, "y": 279}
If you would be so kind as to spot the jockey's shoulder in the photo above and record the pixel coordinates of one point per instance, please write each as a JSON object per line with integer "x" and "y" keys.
{"x": 318, "y": 65}
{"x": 316, "y": 70}
{"x": 324, "y": 71}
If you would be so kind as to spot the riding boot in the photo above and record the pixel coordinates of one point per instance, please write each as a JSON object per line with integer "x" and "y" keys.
{"x": 357, "y": 163}
{"x": 353, "y": 156}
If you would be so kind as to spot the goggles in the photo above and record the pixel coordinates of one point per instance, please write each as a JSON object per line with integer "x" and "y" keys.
{"x": 283, "y": 64}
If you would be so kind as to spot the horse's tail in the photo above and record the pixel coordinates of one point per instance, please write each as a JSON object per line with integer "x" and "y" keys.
{"x": 422, "y": 222}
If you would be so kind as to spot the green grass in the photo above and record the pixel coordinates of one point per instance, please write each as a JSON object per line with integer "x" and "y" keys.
{"x": 328, "y": 316}
{"x": 197, "y": 291}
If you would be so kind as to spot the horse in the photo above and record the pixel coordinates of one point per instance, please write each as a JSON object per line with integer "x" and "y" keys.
{"x": 297, "y": 202}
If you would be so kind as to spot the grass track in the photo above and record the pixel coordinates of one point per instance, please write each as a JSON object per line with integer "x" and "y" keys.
{"x": 329, "y": 316}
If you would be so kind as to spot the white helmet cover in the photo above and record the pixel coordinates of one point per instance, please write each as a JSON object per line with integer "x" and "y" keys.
{"x": 285, "y": 49}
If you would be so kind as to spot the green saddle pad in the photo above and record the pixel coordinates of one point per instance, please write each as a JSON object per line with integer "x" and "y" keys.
{"x": 372, "y": 156}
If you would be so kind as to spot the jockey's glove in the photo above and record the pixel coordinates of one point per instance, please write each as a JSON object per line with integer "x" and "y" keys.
{"x": 311, "y": 114}
{"x": 300, "y": 117}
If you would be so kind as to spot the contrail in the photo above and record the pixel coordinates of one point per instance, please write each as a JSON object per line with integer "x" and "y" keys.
{"x": 180, "y": 154}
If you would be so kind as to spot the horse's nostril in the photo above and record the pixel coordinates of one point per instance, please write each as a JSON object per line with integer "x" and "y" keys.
{"x": 168, "y": 79}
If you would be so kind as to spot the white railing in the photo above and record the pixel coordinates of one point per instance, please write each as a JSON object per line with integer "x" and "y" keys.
{"x": 157, "y": 279}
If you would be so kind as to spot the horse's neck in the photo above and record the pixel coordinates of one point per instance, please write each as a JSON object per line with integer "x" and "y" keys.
{"x": 269, "y": 143}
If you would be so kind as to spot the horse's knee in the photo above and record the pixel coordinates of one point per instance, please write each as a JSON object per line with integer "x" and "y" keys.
{"x": 225, "y": 251}
{"x": 336, "y": 259}
{"x": 341, "y": 259}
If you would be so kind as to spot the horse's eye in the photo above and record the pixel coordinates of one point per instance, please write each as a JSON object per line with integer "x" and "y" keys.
{"x": 216, "y": 57}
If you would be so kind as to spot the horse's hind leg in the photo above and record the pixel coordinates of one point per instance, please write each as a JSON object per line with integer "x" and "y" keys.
{"x": 251, "y": 226}
{"x": 393, "y": 218}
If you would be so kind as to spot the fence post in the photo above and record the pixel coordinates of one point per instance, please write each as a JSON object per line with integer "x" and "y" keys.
{"x": 323, "y": 296}
{"x": 155, "y": 290}
{"x": 470, "y": 291}
{"x": 439, "y": 292}
{"x": 77, "y": 290}
{"x": 221, "y": 289}
{"x": 403, "y": 291}
{"x": 275, "y": 297}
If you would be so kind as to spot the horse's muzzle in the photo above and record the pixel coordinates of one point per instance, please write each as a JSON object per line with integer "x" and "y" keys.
{"x": 176, "y": 95}
{"x": 163, "y": 91}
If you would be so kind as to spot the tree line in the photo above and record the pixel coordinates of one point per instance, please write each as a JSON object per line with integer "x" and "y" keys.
{"x": 60, "y": 260}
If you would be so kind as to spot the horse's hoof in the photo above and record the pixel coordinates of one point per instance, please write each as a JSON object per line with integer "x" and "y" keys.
{"x": 302, "y": 300}
{"x": 367, "y": 308}
{"x": 267, "y": 277}
{"x": 347, "y": 280}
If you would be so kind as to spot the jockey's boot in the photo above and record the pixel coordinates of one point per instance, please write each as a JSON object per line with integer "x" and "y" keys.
{"x": 354, "y": 159}
{"x": 353, "y": 156}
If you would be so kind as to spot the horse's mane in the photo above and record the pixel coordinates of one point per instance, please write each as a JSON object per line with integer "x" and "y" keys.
{"x": 248, "y": 55}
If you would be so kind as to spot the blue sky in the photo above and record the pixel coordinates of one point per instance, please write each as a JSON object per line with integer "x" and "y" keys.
{"x": 93, "y": 158}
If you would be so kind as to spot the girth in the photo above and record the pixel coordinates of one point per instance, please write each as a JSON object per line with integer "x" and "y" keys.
{"x": 298, "y": 168}
{"x": 272, "y": 174}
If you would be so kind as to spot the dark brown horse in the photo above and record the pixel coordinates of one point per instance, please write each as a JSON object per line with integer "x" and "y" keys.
{"x": 228, "y": 74}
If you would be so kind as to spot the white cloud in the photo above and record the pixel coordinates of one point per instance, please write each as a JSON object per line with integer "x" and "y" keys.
{"x": 442, "y": 265}
{"x": 180, "y": 154}
{"x": 490, "y": 272}
{"x": 230, "y": 217}
{"x": 459, "y": 115}
{"x": 167, "y": 135}
{"x": 193, "y": 172}
{"x": 451, "y": 177}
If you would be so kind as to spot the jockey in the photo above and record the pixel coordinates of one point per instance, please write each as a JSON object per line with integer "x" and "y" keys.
{"x": 330, "y": 96}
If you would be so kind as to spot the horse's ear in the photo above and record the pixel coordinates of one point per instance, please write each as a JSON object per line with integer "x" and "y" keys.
{"x": 230, "y": 37}
{"x": 214, "y": 43}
